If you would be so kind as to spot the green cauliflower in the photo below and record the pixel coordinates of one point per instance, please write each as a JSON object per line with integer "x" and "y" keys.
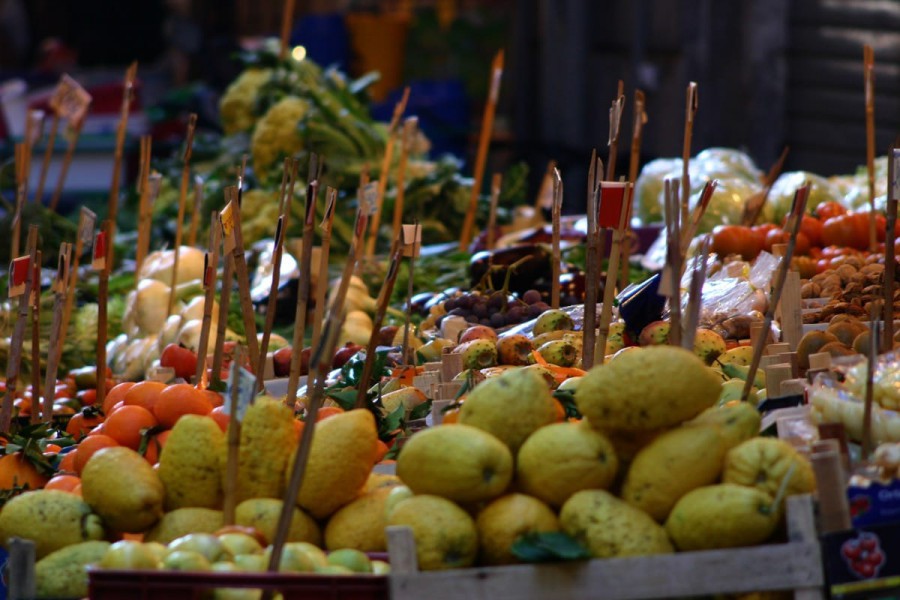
{"x": 276, "y": 134}
{"x": 236, "y": 105}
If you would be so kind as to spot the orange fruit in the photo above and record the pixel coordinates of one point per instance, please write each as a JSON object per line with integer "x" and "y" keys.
{"x": 16, "y": 470}
{"x": 77, "y": 490}
{"x": 89, "y": 446}
{"x": 81, "y": 424}
{"x": 116, "y": 394}
{"x": 382, "y": 450}
{"x": 155, "y": 445}
{"x": 451, "y": 416}
{"x": 328, "y": 411}
{"x": 298, "y": 428}
{"x": 214, "y": 398}
{"x": 218, "y": 415}
{"x": 63, "y": 483}
{"x": 145, "y": 394}
{"x": 180, "y": 399}
{"x": 127, "y": 424}
{"x": 560, "y": 411}
{"x": 67, "y": 463}
{"x": 23, "y": 405}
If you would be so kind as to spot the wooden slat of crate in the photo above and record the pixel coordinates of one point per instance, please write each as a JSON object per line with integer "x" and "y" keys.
{"x": 795, "y": 565}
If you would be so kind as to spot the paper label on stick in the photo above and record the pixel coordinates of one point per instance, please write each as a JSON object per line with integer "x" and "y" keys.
{"x": 35, "y": 126}
{"x": 370, "y": 199}
{"x": 18, "y": 275}
{"x": 612, "y": 203}
{"x": 329, "y": 209}
{"x": 70, "y": 101}
{"x": 86, "y": 224}
{"x": 99, "y": 253}
{"x": 226, "y": 218}
{"x": 60, "y": 283}
{"x": 412, "y": 240}
{"x": 246, "y": 382}
{"x": 209, "y": 271}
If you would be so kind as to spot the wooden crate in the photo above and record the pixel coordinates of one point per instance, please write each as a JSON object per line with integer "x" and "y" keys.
{"x": 795, "y": 565}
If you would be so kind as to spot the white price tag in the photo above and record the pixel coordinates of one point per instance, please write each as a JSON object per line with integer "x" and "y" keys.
{"x": 246, "y": 382}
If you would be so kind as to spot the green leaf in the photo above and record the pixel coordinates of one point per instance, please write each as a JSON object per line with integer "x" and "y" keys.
{"x": 567, "y": 399}
{"x": 345, "y": 397}
{"x": 548, "y": 547}
{"x": 421, "y": 411}
{"x": 393, "y": 420}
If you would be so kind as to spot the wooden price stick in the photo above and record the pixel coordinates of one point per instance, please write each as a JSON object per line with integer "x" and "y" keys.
{"x": 869, "y": 81}
{"x": 324, "y": 257}
{"x": 695, "y": 298}
{"x": 618, "y": 194}
{"x": 615, "y": 122}
{"x": 375, "y": 222}
{"x": 484, "y": 141}
{"x": 793, "y": 226}
{"x": 195, "y": 211}
{"x": 182, "y": 201}
{"x": 496, "y": 186}
{"x": 412, "y": 253}
{"x": 690, "y": 111}
{"x": 103, "y": 257}
{"x": 210, "y": 266}
{"x": 127, "y": 92}
{"x": 224, "y": 307}
{"x": 870, "y": 388}
{"x": 20, "y": 198}
{"x": 410, "y": 125}
{"x": 381, "y": 305}
{"x": 242, "y": 274}
{"x": 754, "y": 204}
{"x": 234, "y": 443}
{"x": 145, "y": 204}
{"x": 59, "y": 301}
{"x": 36, "y": 339}
{"x": 74, "y": 134}
{"x": 73, "y": 105}
{"x": 287, "y": 21}
{"x": 303, "y": 290}
{"x": 48, "y": 155}
{"x": 86, "y": 221}
{"x": 890, "y": 260}
{"x": 637, "y": 134}
{"x": 544, "y": 199}
{"x": 689, "y": 229}
{"x": 33, "y": 130}
{"x": 670, "y": 284}
{"x": 21, "y": 277}
{"x": 556, "y": 213}
{"x": 592, "y": 260}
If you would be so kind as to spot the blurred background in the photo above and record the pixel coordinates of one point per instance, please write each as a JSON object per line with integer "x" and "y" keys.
{"x": 771, "y": 73}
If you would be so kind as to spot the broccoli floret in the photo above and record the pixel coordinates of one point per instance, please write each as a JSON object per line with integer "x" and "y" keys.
{"x": 276, "y": 134}
{"x": 236, "y": 105}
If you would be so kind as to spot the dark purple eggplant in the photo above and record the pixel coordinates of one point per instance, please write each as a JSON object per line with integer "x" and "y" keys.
{"x": 535, "y": 265}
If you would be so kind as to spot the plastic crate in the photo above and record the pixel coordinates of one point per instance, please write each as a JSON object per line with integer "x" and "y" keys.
{"x": 170, "y": 585}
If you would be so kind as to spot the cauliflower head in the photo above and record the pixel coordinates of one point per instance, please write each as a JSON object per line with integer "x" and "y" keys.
{"x": 276, "y": 134}
{"x": 236, "y": 105}
{"x": 259, "y": 215}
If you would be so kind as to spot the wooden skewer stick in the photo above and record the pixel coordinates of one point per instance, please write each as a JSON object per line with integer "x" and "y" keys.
{"x": 484, "y": 141}
{"x": 405, "y": 355}
{"x": 20, "y": 198}
{"x": 793, "y": 225}
{"x": 754, "y": 204}
{"x": 102, "y": 311}
{"x": 675, "y": 260}
{"x": 234, "y": 444}
{"x": 410, "y": 125}
{"x": 556, "y": 215}
{"x": 612, "y": 269}
{"x": 67, "y": 162}
{"x": 592, "y": 261}
{"x": 195, "y": 211}
{"x": 33, "y": 127}
{"x": 303, "y": 290}
{"x": 695, "y": 299}
{"x": 113, "y": 211}
{"x": 393, "y": 133}
{"x": 544, "y": 199}
{"x": 59, "y": 303}
{"x": 496, "y": 186}
{"x": 182, "y": 201}
{"x": 48, "y": 155}
{"x": 36, "y": 341}
{"x": 210, "y": 266}
{"x": 287, "y": 22}
{"x": 324, "y": 257}
{"x": 867, "y": 445}
{"x": 242, "y": 274}
{"x": 689, "y": 229}
{"x": 637, "y": 134}
{"x": 690, "y": 111}
{"x": 890, "y": 260}
{"x": 224, "y": 306}
{"x": 143, "y": 240}
{"x": 615, "y": 123}
{"x": 15, "y": 345}
{"x": 869, "y": 80}
{"x": 86, "y": 220}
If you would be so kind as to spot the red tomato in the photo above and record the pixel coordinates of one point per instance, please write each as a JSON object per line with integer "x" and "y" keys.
{"x": 779, "y": 236}
{"x": 826, "y": 210}
{"x": 760, "y": 231}
{"x": 181, "y": 359}
{"x": 735, "y": 239}
{"x": 812, "y": 229}
{"x": 850, "y": 230}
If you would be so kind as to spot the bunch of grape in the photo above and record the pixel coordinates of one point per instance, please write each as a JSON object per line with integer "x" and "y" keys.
{"x": 496, "y": 309}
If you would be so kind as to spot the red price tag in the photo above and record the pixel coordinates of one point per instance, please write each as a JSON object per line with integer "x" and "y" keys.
{"x": 18, "y": 275}
{"x": 99, "y": 254}
{"x": 612, "y": 203}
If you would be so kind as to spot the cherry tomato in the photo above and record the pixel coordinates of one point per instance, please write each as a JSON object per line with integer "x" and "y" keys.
{"x": 179, "y": 358}
{"x": 846, "y": 230}
{"x": 811, "y": 228}
{"x": 735, "y": 239}
{"x": 779, "y": 236}
{"x": 826, "y": 210}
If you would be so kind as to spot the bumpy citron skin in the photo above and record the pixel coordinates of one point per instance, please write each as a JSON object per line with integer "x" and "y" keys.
{"x": 609, "y": 527}
{"x": 722, "y": 516}
{"x": 123, "y": 489}
{"x": 458, "y": 462}
{"x": 445, "y": 534}
{"x": 736, "y": 422}
{"x": 191, "y": 463}
{"x": 764, "y": 462}
{"x": 52, "y": 519}
{"x": 504, "y": 520}
{"x": 183, "y": 521}
{"x": 343, "y": 451}
{"x": 646, "y": 389}
{"x": 510, "y": 407}
{"x": 263, "y": 514}
{"x": 62, "y": 574}
{"x": 560, "y": 459}
{"x": 360, "y": 524}
{"x": 268, "y": 441}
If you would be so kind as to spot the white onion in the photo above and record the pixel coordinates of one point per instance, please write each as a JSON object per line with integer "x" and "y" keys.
{"x": 151, "y": 306}
{"x": 158, "y": 265}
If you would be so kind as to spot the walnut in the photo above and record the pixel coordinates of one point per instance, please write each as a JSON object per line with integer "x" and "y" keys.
{"x": 845, "y": 272}
{"x": 872, "y": 268}
{"x": 853, "y": 288}
{"x": 810, "y": 290}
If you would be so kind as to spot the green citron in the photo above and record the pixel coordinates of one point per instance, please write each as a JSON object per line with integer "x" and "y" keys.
{"x": 360, "y": 524}
{"x": 191, "y": 462}
{"x": 445, "y": 534}
{"x": 264, "y": 513}
{"x": 183, "y": 521}
{"x": 505, "y": 519}
{"x": 51, "y": 519}
{"x": 560, "y": 459}
{"x": 123, "y": 489}
{"x": 737, "y": 422}
{"x": 608, "y": 527}
{"x": 63, "y": 573}
{"x": 459, "y": 462}
{"x": 510, "y": 407}
{"x": 765, "y": 462}
{"x": 670, "y": 466}
{"x": 722, "y": 516}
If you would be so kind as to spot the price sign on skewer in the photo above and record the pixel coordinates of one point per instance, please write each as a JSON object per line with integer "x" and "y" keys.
{"x": 18, "y": 275}
{"x": 69, "y": 100}
{"x": 98, "y": 263}
{"x": 412, "y": 240}
{"x": 246, "y": 390}
{"x": 226, "y": 219}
